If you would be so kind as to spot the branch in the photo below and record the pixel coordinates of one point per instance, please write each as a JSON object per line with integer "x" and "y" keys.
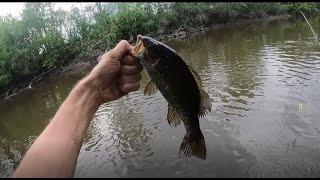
{"x": 38, "y": 78}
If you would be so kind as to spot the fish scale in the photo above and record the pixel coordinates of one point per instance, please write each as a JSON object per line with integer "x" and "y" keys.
{"x": 181, "y": 86}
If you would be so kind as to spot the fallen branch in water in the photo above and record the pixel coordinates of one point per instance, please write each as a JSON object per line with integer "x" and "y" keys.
{"x": 314, "y": 34}
{"x": 38, "y": 78}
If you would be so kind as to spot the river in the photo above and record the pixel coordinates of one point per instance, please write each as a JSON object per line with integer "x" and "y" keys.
{"x": 257, "y": 75}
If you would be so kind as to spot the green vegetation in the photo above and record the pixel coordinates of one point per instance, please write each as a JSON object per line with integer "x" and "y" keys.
{"x": 44, "y": 38}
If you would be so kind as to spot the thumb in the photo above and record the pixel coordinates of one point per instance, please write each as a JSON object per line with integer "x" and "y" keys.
{"x": 121, "y": 49}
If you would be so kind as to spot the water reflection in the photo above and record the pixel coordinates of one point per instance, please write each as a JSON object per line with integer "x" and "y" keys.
{"x": 121, "y": 136}
{"x": 256, "y": 75}
{"x": 24, "y": 117}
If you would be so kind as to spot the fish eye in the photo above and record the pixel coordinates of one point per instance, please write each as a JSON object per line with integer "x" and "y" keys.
{"x": 146, "y": 43}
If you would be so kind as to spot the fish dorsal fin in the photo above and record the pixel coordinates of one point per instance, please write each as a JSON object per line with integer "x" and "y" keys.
{"x": 150, "y": 89}
{"x": 172, "y": 117}
{"x": 205, "y": 102}
{"x": 196, "y": 77}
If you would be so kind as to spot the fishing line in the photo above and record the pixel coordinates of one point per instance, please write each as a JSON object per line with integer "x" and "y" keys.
{"x": 317, "y": 40}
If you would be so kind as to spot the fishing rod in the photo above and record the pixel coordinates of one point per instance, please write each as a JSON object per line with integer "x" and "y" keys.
{"x": 314, "y": 34}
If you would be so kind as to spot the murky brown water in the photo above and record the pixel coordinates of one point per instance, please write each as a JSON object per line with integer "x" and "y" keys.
{"x": 256, "y": 75}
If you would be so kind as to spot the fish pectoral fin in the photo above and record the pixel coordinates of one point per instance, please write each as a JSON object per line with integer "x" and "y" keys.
{"x": 150, "y": 89}
{"x": 193, "y": 144}
{"x": 205, "y": 104}
{"x": 172, "y": 117}
{"x": 205, "y": 101}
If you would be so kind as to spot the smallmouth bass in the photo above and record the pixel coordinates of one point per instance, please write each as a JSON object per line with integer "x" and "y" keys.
{"x": 181, "y": 86}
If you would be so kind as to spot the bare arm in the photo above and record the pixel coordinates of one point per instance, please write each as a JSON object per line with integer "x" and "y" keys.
{"x": 56, "y": 150}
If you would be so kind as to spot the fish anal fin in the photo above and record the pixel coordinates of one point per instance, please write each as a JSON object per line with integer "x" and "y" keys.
{"x": 172, "y": 117}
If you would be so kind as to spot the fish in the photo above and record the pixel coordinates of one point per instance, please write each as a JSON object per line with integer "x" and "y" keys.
{"x": 182, "y": 88}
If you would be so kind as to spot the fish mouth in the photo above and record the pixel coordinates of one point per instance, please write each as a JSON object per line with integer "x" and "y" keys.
{"x": 139, "y": 48}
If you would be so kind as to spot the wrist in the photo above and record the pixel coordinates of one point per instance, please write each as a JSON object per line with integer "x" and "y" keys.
{"x": 88, "y": 90}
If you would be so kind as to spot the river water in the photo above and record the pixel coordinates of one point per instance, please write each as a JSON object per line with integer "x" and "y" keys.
{"x": 257, "y": 75}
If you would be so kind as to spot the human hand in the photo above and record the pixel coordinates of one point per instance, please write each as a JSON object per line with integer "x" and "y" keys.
{"x": 116, "y": 74}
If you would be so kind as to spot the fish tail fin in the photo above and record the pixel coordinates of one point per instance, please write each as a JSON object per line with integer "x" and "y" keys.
{"x": 193, "y": 145}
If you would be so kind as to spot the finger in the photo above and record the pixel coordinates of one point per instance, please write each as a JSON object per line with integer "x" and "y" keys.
{"x": 121, "y": 49}
{"x": 129, "y": 60}
{"x": 129, "y": 79}
{"x": 130, "y": 70}
{"x": 126, "y": 88}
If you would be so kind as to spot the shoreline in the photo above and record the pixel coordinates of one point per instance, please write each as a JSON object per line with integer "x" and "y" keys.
{"x": 77, "y": 65}
{"x": 183, "y": 33}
